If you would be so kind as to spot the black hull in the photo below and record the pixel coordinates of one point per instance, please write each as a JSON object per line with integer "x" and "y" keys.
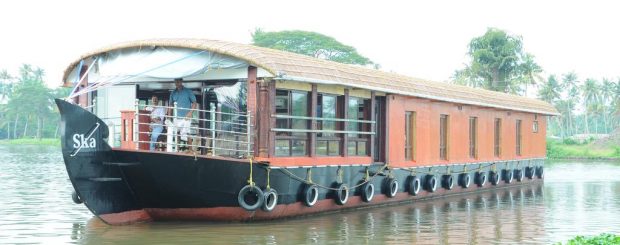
{"x": 124, "y": 186}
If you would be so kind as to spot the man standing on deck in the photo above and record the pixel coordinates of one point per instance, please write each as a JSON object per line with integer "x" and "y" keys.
{"x": 186, "y": 104}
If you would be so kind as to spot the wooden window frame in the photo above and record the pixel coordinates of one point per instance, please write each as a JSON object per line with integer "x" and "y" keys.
{"x": 290, "y": 136}
{"x": 473, "y": 137}
{"x": 410, "y": 135}
{"x": 359, "y": 139}
{"x": 337, "y": 126}
{"x": 444, "y": 137}
{"x": 518, "y": 137}
{"x": 497, "y": 137}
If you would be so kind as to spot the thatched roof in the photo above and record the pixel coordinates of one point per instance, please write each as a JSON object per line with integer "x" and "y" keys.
{"x": 290, "y": 66}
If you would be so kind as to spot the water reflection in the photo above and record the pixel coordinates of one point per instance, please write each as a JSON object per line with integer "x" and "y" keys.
{"x": 577, "y": 198}
{"x": 507, "y": 215}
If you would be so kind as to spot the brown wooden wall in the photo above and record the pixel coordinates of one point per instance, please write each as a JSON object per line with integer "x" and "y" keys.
{"x": 427, "y": 132}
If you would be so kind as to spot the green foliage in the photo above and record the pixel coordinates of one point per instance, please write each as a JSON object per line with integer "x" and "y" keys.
{"x": 498, "y": 63}
{"x": 571, "y": 149}
{"x": 30, "y": 111}
{"x": 311, "y": 44}
{"x": 602, "y": 239}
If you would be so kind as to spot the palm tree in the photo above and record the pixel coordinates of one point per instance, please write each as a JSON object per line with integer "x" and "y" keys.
{"x": 607, "y": 92}
{"x": 550, "y": 93}
{"x": 530, "y": 71}
{"x": 550, "y": 90}
{"x": 569, "y": 83}
{"x": 590, "y": 93}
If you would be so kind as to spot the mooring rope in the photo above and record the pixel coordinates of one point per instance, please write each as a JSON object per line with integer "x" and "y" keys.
{"x": 292, "y": 175}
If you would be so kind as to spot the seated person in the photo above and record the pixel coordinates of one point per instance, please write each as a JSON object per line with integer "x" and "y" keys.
{"x": 157, "y": 118}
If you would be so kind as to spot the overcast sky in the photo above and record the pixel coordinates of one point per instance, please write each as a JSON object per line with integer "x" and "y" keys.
{"x": 425, "y": 39}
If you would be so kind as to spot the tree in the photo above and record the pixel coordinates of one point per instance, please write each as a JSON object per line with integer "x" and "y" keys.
{"x": 569, "y": 83}
{"x": 498, "y": 60}
{"x": 529, "y": 72}
{"x": 30, "y": 98}
{"x": 607, "y": 93}
{"x": 311, "y": 44}
{"x": 550, "y": 92}
{"x": 590, "y": 93}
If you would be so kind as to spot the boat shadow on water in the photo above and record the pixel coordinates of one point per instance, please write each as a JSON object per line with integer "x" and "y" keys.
{"x": 512, "y": 214}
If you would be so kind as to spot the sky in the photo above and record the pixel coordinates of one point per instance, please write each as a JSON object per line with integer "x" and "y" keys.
{"x": 424, "y": 39}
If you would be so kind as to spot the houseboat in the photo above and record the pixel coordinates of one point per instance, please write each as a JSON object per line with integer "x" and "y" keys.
{"x": 272, "y": 134}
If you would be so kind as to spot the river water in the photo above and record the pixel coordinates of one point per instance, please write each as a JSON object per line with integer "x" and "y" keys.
{"x": 577, "y": 198}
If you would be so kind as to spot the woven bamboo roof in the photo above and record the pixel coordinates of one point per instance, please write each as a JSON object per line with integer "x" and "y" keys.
{"x": 290, "y": 66}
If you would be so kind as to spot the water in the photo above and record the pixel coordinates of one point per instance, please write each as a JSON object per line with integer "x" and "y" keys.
{"x": 578, "y": 198}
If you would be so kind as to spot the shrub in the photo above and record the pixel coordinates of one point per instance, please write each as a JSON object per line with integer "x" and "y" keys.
{"x": 604, "y": 238}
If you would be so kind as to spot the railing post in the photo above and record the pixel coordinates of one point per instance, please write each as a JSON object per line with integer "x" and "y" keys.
{"x": 92, "y": 108}
{"x": 248, "y": 132}
{"x": 212, "y": 127}
{"x": 136, "y": 134}
{"x": 174, "y": 128}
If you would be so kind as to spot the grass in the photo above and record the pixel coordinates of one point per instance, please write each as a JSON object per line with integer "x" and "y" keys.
{"x": 30, "y": 141}
{"x": 601, "y": 239}
{"x": 567, "y": 150}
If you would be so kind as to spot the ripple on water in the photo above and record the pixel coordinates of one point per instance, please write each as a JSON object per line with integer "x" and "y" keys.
{"x": 577, "y": 198}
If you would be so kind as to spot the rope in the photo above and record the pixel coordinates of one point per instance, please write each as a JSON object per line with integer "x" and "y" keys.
{"x": 250, "y": 181}
{"x": 414, "y": 170}
{"x": 268, "y": 173}
{"x": 292, "y": 175}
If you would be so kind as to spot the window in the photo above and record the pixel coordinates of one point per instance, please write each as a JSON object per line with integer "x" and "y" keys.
{"x": 291, "y": 103}
{"x": 443, "y": 137}
{"x": 497, "y": 137}
{"x": 473, "y": 137}
{"x": 535, "y": 127}
{"x": 518, "y": 136}
{"x": 410, "y": 131}
{"x": 357, "y": 143}
{"x": 328, "y": 144}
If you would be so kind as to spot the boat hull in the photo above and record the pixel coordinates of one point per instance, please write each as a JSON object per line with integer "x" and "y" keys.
{"x": 123, "y": 186}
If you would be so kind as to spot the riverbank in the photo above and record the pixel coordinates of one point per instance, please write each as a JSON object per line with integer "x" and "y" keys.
{"x": 557, "y": 149}
{"x": 28, "y": 141}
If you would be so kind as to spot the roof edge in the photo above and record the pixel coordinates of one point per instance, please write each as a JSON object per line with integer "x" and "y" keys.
{"x": 392, "y": 91}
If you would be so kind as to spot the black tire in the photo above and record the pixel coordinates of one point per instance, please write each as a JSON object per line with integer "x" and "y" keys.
{"x": 391, "y": 187}
{"x": 270, "y": 199}
{"x": 494, "y": 177}
{"x": 413, "y": 185}
{"x": 507, "y": 175}
{"x": 530, "y": 172}
{"x": 368, "y": 192}
{"x": 520, "y": 174}
{"x": 480, "y": 179}
{"x": 342, "y": 194}
{"x": 430, "y": 183}
{"x": 464, "y": 180}
{"x": 540, "y": 173}
{"x": 447, "y": 181}
{"x": 250, "y": 197}
{"x": 310, "y": 195}
{"x": 76, "y": 198}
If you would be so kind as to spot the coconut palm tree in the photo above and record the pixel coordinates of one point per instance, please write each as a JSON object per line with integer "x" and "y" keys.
{"x": 590, "y": 92}
{"x": 530, "y": 72}
{"x": 550, "y": 92}
{"x": 607, "y": 92}
{"x": 569, "y": 83}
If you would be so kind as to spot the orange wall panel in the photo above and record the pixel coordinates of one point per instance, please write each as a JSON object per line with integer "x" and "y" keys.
{"x": 427, "y": 132}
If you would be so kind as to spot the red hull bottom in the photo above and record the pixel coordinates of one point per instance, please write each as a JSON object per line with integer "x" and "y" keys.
{"x": 287, "y": 210}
